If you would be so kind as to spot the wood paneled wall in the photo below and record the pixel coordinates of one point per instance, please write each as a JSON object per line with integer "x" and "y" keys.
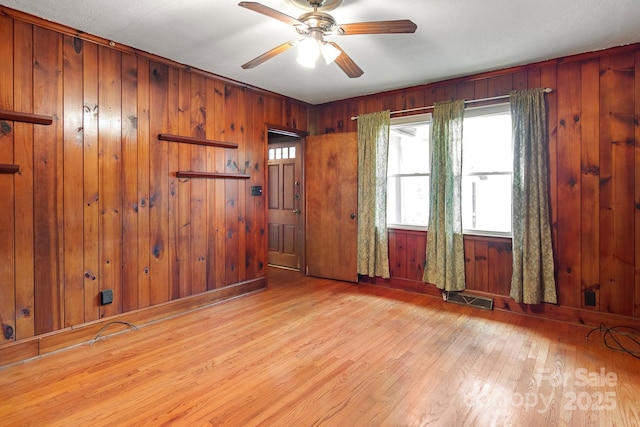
{"x": 96, "y": 204}
{"x": 593, "y": 118}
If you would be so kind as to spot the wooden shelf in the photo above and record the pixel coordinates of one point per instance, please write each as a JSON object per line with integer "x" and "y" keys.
{"x": 9, "y": 169}
{"x": 197, "y": 141}
{"x": 210, "y": 175}
{"x": 25, "y": 117}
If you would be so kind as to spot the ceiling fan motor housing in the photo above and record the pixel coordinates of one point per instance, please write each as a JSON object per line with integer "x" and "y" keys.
{"x": 317, "y": 21}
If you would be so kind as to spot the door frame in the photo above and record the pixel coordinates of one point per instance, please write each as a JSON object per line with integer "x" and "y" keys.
{"x": 278, "y": 130}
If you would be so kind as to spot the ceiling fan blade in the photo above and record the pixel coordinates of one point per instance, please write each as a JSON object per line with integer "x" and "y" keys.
{"x": 272, "y": 13}
{"x": 400, "y": 26}
{"x": 347, "y": 64}
{"x": 268, "y": 55}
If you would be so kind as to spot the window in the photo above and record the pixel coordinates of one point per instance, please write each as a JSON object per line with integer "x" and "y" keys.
{"x": 282, "y": 153}
{"x": 408, "y": 171}
{"x": 487, "y": 169}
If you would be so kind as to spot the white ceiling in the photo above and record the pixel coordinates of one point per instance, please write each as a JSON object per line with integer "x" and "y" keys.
{"x": 454, "y": 37}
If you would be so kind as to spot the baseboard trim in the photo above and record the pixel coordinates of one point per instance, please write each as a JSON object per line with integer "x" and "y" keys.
{"x": 564, "y": 314}
{"x": 47, "y": 343}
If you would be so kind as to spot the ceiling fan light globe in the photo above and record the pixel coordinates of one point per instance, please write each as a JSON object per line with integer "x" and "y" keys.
{"x": 329, "y": 53}
{"x": 308, "y": 53}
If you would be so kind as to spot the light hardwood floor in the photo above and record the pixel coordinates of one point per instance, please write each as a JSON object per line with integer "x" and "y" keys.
{"x": 311, "y": 351}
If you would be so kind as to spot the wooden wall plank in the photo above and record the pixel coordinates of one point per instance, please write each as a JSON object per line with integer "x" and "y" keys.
{"x": 520, "y": 80}
{"x": 636, "y": 312}
{"x": 499, "y": 268}
{"x": 200, "y": 232}
{"x": 569, "y": 207}
{"x": 617, "y": 158}
{"x": 73, "y": 182}
{"x": 533, "y": 78}
{"x": 129, "y": 119}
{"x": 23, "y": 155}
{"x": 217, "y": 196}
{"x": 233, "y": 124}
{"x": 158, "y": 185}
{"x": 91, "y": 187}
{"x": 47, "y": 197}
{"x": 110, "y": 176}
{"x": 213, "y": 108}
{"x": 394, "y": 254}
{"x": 241, "y": 124}
{"x": 255, "y": 146}
{"x": 549, "y": 78}
{"x": 144, "y": 177}
{"x": 499, "y": 85}
{"x": 259, "y": 178}
{"x": 7, "y": 189}
{"x": 470, "y": 264}
{"x": 590, "y": 179}
{"x": 482, "y": 266}
{"x": 466, "y": 90}
{"x": 173, "y": 127}
{"x": 184, "y": 187}
{"x": 6, "y": 62}
{"x": 400, "y": 266}
{"x": 417, "y": 254}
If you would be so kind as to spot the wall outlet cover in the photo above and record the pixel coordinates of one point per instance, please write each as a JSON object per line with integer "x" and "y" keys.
{"x": 106, "y": 297}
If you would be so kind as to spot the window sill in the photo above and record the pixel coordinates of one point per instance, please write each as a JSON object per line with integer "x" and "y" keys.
{"x": 466, "y": 233}
{"x": 406, "y": 227}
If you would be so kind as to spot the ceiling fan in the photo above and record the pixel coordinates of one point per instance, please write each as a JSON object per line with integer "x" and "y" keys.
{"x": 314, "y": 26}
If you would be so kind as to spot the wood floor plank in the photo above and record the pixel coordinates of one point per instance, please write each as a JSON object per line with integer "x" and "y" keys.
{"x": 311, "y": 351}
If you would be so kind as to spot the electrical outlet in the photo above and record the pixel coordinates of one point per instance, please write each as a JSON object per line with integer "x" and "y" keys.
{"x": 589, "y": 298}
{"x": 256, "y": 190}
{"x": 106, "y": 297}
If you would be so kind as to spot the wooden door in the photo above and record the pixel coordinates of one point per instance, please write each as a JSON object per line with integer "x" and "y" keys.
{"x": 284, "y": 194}
{"x": 331, "y": 177}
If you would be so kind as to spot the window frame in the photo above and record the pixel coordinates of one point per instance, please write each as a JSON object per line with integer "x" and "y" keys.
{"x": 479, "y": 111}
{"x": 415, "y": 119}
{"x": 473, "y": 111}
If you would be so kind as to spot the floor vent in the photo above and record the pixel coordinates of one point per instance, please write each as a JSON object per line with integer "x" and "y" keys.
{"x": 466, "y": 299}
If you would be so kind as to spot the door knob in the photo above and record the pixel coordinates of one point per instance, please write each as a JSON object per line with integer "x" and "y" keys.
{"x": 296, "y": 211}
{"x": 353, "y": 215}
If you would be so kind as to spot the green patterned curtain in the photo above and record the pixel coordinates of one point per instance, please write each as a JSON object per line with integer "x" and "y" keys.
{"x": 373, "y": 148}
{"x": 533, "y": 278}
{"x": 445, "y": 249}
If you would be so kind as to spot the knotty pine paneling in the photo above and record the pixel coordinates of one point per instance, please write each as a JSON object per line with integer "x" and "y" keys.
{"x": 97, "y": 204}
{"x": 7, "y": 209}
{"x": 173, "y": 100}
{"x": 48, "y": 182}
{"x": 617, "y": 164}
{"x": 636, "y": 163}
{"x": 110, "y": 123}
{"x": 73, "y": 203}
{"x": 183, "y": 223}
{"x": 90, "y": 183}
{"x": 144, "y": 183}
{"x": 594, "y": 170}
{"x": 590, "y": 179}
{"x": 569, "y": 184}
{"x": 23, "y": 181}
{"x": 129, "y": 163}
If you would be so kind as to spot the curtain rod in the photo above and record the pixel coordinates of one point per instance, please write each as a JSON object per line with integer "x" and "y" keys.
{"x": 493, "y": 98}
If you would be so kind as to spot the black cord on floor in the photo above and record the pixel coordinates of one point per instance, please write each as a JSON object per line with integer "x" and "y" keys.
{"x": 620, "y": 338}
{"x": 129, "y": 324}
